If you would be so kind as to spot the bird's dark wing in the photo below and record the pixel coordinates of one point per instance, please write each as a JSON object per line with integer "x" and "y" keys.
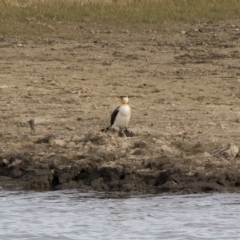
{"x": 114, "y": 115}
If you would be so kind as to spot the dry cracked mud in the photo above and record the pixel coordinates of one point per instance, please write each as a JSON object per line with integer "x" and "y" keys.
{"x": 183, "y": 84}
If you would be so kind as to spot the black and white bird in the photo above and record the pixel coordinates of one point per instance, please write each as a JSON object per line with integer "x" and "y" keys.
{"x": 121, "y": 116}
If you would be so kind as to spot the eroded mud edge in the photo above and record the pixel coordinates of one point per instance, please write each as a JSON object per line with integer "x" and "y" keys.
{"x": 165, "y": 173}
{"x": 120, "y": 179}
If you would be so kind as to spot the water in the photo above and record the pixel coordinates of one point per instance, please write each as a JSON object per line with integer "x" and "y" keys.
{"x": 76, "y": 215}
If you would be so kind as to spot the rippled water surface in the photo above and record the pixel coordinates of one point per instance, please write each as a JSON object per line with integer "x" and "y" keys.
{"x": 76, "y": 215}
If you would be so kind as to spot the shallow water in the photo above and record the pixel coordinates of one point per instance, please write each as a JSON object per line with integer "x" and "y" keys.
{"x": 76, "y": 215}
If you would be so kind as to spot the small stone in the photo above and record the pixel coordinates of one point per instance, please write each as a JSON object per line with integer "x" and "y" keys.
{"x": 157, "y": 141}
{"x": 42, "y": 154}
{"x": 51, "y": 154}
{"x": 5, "y": 161}
{"x": 166, "y": 149}
{"x": 77, "y": 139}
{"x": 66, "y": 157}
{"x": 80, "y": 155}
{"x": 53, "y": 83}
{"x": 70, "y": 128}
{"x": 58, "y": 142}
{"x": 125, "y": 31}
{"x": 109, "y": 31}
{"x": 207, "y": 155}
{"x": 227, "y": 150}
{"x": 138, "y": 152}
{"x": 232, "y": 152}
{"x": 71, "y": 145}
{"x": 87, "y": 146}
{"x": 15, "y": 163}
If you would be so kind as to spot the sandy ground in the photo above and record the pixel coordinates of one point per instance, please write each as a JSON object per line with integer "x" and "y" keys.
{"x": 183, "y": 85}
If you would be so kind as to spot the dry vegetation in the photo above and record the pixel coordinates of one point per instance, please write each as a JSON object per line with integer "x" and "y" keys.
{"x": 20, "y": 16}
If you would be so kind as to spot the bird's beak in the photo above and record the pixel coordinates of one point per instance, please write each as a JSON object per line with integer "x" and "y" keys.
{"x": 119, "y": 99}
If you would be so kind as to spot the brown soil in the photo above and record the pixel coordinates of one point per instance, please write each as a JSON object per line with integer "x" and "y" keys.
{"x": 184, "y": 88}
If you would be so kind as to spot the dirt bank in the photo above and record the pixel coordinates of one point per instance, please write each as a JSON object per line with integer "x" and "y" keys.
{"x": 184, "y": 88}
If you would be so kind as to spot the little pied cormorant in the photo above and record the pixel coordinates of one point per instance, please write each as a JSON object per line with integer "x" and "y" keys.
{"x": 120, "y": 117}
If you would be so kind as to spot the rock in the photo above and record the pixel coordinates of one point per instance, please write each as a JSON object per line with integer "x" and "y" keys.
{"x": 70, "y": 128}
{"x": 166, "y": 149}
{"x": 42, "y": 154}
{"x": 232, "y": 152}
{"x": 77, "y": 138}
{"x": 157, "y": 141}
{"x": 207, "y": 155}
{"x": 120, "y": 142}
{"x": 86, "y": 146}
{"x": 5, "y": 161}
{"x": 125, "y": 31}
{"x": 66, "y": 157}
{"x": 226, "y": 150}
{"x": 140, "y": 144}
{"x": 71, "y": 145}
{"x": 138, "y": 152}
{"x": 58, "y": 142}
{"x": 15, "y": 163}
{"x": 44, "y": 139}
{"x": 109, "y": 31}
{"x": 2, "y": 39}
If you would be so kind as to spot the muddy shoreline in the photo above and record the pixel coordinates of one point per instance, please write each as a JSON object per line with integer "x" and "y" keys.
{"x": 170, "y": 171}
{"x": 183, "y": 85}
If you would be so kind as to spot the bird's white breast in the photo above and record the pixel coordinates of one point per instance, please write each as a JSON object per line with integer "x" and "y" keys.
{"x": 123, "y": 116}
{"x": 125, "y": 110}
